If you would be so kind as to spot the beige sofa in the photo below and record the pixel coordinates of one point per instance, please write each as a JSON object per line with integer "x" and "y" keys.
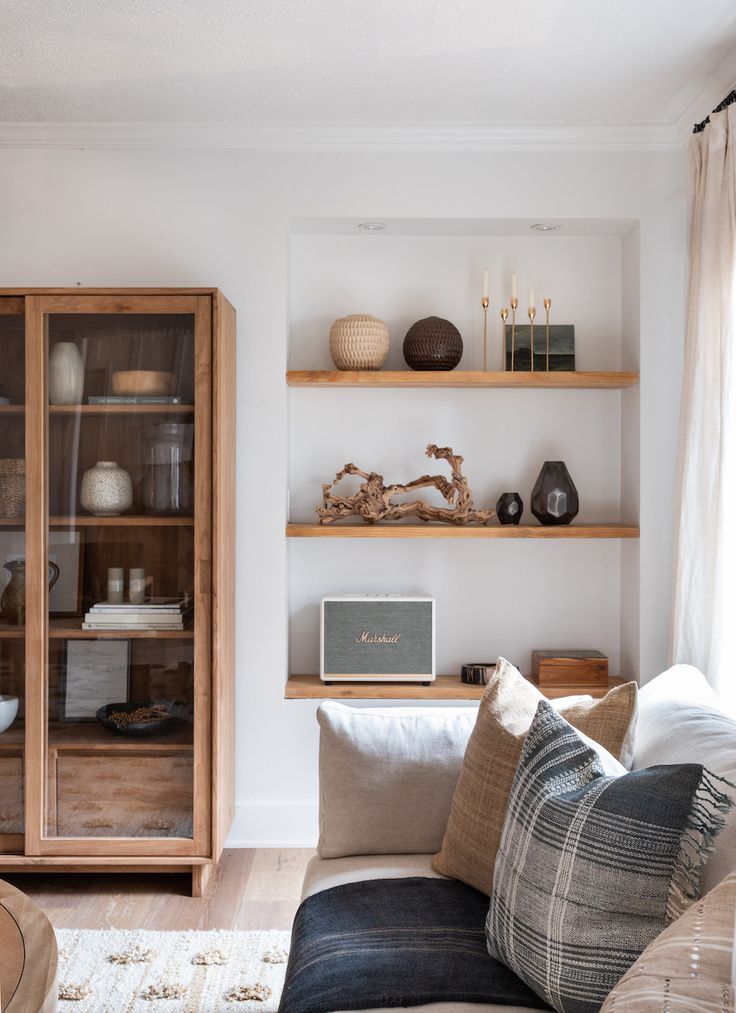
{"x": 387, "y": 778}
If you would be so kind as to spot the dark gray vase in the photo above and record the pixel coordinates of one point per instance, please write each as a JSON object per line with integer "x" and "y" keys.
{"x": 554, "y": 496}
{"x": 509, "y": 508}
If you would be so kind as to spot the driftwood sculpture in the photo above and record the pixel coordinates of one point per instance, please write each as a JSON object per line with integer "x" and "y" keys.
{"x": 374, "y": 501}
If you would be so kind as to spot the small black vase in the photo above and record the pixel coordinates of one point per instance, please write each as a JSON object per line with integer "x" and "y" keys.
{"x": 554, "y": 496}
{"x": 509, "y": 508}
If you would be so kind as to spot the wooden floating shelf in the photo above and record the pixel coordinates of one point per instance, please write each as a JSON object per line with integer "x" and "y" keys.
{"x": 606, "y": 380}
{"x": 389, "y": 530}
{"x": 68, "y": 629}
{"x": 91, "y": 736}
{"x": 105, "y": 409}
{"x": 445, "y": 687}
{"x": 123, "y": 521}
{"x": 121, "y": 409}
{"x": 9, "y": 632}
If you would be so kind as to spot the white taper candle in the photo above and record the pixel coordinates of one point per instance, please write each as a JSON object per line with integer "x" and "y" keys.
{"x": 514, "y": 287}
{"x": 531, "y": 299}
{"x": 485, "y": 284}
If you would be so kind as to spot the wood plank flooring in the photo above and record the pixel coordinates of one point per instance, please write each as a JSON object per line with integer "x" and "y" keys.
{"x": 251, "y": 889}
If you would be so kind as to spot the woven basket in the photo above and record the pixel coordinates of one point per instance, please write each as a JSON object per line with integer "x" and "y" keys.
{"x": 12, "y": 487}
{"x": 359, "y": 342}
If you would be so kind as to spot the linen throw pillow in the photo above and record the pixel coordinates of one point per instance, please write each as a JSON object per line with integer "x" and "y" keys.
{"x": 592, "y": 868}
{"x": 481, "y": 796}
{"x": 691, "y": 966}
{"x": 680, "y": 721}
{"x": 386, "y": 777}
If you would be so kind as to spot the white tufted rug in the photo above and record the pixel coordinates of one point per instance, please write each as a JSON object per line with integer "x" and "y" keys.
{"x": 119, "y": 971}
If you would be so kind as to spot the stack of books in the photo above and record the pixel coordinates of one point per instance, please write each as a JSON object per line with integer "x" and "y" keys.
{"x": 153, "y": 614}
{"x": 135, "y": 399}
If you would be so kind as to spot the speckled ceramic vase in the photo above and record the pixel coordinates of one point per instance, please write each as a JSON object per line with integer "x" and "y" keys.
{"x": 359, "y": 342}
{"x": 107, "y": 490}
{"x": 66, "y": 374}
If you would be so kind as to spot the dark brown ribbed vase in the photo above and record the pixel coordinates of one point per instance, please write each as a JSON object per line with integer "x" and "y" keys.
{"x": 433, "y": 343}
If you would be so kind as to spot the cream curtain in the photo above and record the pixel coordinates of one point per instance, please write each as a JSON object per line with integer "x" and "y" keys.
{"x": 704, "y": 619}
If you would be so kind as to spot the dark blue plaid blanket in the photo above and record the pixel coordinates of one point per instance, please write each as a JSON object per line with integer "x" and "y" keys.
{"x": 395, "y": 942}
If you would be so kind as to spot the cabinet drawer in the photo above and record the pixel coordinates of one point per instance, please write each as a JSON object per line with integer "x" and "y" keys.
{"x": 124, "y": 796}
{"x": 11, "y": 794}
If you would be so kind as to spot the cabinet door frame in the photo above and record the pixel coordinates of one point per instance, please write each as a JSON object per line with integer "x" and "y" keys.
{"x": 38, "y": 308}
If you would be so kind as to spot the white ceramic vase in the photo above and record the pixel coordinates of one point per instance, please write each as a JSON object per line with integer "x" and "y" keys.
{"x": 359, "y": 342}
{"x": 66, "y": 374}
{"x": 107, "y": 490}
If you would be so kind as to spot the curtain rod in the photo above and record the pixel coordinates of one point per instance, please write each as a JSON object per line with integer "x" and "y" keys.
{"x": 728, "y": 100}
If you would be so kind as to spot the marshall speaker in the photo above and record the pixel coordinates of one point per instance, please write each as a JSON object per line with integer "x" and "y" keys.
{"x": 377, "y": 637}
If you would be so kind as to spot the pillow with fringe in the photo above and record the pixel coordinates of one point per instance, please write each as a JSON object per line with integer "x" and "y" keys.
{"x": 592, "y": 867}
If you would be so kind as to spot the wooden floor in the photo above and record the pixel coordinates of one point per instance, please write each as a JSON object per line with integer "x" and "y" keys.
{"x": 250, "y": 890}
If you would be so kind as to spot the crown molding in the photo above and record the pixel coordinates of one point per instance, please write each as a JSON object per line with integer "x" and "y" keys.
{"x": 319, "y": 136}
{"x": 721, "y": 83}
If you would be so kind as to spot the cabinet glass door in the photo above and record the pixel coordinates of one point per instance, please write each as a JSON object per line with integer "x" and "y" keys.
{"x": 126, "y": 523}
{"x": 12, "y": 572}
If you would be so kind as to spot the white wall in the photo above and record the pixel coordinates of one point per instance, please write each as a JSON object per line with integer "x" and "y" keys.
{"x": 492, "y": 598}
{"x": 196, "y": 218}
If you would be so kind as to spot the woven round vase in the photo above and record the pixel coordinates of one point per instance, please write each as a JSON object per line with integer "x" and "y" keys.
{"x": 359, "y": 342}
{"x": 433, "y": 343}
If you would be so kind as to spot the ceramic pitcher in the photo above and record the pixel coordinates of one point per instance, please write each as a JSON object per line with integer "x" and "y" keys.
{"x": 13, "y": 600}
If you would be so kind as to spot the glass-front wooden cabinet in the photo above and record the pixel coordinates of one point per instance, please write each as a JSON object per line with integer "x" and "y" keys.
{"x": 116, "y": 546}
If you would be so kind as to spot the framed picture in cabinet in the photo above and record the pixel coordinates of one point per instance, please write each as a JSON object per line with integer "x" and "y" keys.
{"x": 66, "y": 550}
{"x": 96, "y": 672}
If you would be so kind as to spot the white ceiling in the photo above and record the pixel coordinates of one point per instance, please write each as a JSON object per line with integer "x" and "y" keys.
{"x": 604, "y": 62}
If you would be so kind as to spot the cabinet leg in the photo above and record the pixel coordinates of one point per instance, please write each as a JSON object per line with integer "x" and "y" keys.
{"x": 201, "y": 875}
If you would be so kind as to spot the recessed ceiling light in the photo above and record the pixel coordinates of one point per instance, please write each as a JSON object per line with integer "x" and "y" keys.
{"x": 542, "y": 227}
{"x": 372, "y": 226}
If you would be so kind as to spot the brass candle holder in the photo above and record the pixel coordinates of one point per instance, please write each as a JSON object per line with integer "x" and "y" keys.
{"x": 532, "y": 313}
{"x": 504, "y": 317}
{"x": 485, "y": 303}
{"x": 514, "y": 306}
{"x": 547, "y": 307}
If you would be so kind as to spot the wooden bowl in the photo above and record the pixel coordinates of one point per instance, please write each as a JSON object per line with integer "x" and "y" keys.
{"x": 141, "y": 382}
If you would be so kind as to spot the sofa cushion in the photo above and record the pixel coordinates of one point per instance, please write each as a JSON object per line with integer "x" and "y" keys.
{"x": 455, "y": 1007}
{"x": 679, "y": 722}
{"x": 591, "y": 868}
{"x": 324, "y": 873}
{"x": 387, "y": 776}
{"x": 395, "y": 943}
{"x": 479, "y": 803}
{"x": 689, "y": 966}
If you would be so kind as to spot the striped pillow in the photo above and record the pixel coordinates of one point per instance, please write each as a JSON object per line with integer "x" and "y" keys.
{"x": 591, "y": 868}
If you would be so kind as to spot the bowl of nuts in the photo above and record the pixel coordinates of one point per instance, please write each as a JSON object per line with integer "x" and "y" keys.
{"x": 137, "y": 719}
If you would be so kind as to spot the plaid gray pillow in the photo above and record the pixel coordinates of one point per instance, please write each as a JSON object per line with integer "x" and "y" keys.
{"x": 592, "y": 868}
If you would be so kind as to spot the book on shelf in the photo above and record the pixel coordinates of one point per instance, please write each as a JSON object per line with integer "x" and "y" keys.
{"x": 133, "y": 627}
{"x": 134, "y": 618}
{"x": 134, "y": 399}
{"x": 155, "y": 614}
{"x": 149, "y": 606}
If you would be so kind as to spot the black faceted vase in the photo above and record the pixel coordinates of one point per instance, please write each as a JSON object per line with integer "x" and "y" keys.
{"x": 509, "y": 508}
{"x": 433, "y": 343}
{"x": 554, "y": 496}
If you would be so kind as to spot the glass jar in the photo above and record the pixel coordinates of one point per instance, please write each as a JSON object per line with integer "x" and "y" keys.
{"x": 168, "y": 486}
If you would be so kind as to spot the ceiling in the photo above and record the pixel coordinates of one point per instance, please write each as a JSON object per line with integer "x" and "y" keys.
{"x": 580, "y": 62}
